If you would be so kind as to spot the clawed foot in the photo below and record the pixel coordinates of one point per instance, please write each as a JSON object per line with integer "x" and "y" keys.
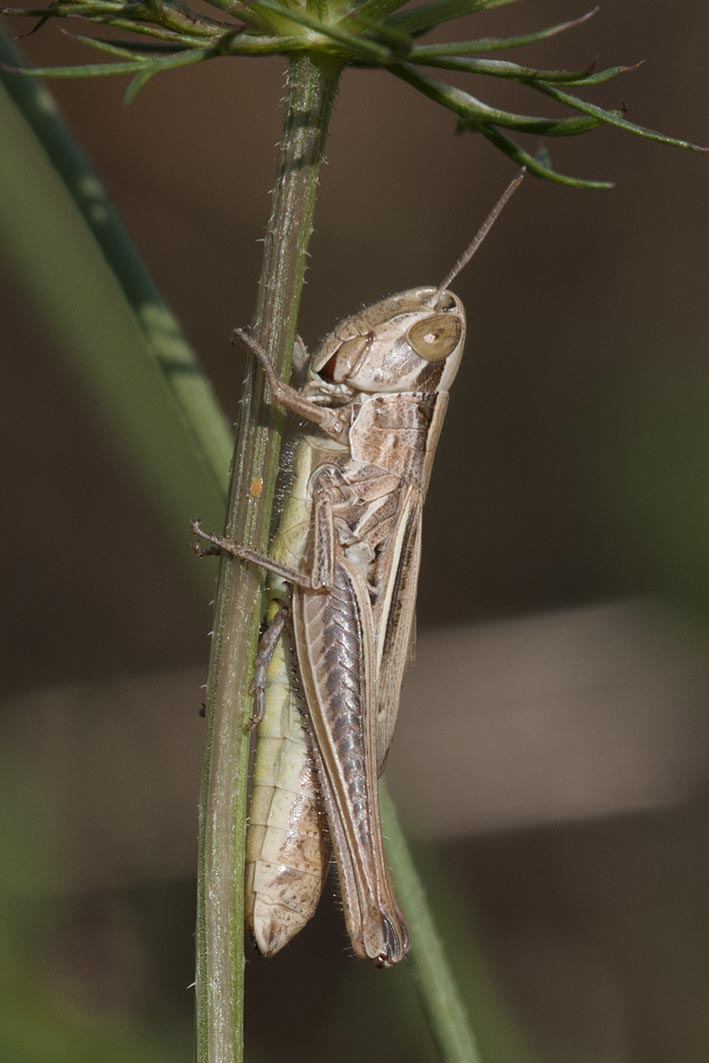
{"x": 219, "y": 545}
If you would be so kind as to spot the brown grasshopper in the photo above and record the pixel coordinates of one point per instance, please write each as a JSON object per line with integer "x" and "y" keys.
{"x": 344, "y": 568}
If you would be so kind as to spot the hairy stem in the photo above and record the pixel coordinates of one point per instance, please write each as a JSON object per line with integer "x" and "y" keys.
{"x": 310, "y": 91}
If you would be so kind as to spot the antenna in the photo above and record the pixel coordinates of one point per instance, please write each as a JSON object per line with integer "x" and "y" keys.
{"x": 483, "y": 230}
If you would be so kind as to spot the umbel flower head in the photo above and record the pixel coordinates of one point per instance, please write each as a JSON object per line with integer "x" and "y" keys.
{"x": 363, "y": 33}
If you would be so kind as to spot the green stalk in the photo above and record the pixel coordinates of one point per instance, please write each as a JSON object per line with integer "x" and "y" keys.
{"x": 436, "y": 983}
{"x": 220, "y": 904}
{"x": 207, "y": 429}
{"x": 78, "y": 293}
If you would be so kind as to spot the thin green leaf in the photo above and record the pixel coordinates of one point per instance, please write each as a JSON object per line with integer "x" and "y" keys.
{"x": 69, "y": 10}
{"x": 535, "y": 164}
{"x": 121, "y": 49}
{"x": 138, "y": 83}
{"x": 427, "y": 16}
{"x": 475, "y": 113}
{"x": 160, "y": 33}
{"x": 186, "y": 58}
{"x": 499, "y": 68}
{"x": 192, "y": 26}
{"x": 514, "y": 72}
{"x": 613, "y": 118}
{"x": 599, "y": 76}
{"x": 85, "y": 70}
{"x": 496, "y": 44}
{"x": 543, "y": 127}
{"x": 108, "y": 47}
{"x": 144, "y": 67}
{"x": 170, "y": 24}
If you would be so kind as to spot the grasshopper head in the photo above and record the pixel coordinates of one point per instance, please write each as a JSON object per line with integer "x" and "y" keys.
{"x": 412, "y": 341}
{"x": 409, "y": 342}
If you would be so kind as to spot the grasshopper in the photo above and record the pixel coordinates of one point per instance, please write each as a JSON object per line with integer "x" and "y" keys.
{"x": 342, "y": 587}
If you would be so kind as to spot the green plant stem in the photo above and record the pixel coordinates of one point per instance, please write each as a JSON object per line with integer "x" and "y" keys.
{"x": 191, "y": 393}
{"x": 310, "y": 92}
{"x": 435, "y": 980}
{"x": 78, "y": 306}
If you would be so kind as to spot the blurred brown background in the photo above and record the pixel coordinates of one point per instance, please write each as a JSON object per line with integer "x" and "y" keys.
{"x": 553, "y": 744}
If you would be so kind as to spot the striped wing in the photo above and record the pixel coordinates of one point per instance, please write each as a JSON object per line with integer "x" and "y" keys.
{"x": 335, "y": 636}
{"x": 394, "y": 616}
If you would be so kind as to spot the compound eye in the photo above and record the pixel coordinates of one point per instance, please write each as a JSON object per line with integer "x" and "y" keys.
{"x": 436, "y": 337}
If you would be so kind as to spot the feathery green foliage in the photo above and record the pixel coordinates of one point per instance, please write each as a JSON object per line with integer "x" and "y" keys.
{"x": 371, "y": 33}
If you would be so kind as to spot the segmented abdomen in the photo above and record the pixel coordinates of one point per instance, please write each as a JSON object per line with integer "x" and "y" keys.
{"x": 286, "y": 846}
{"x": 286, "y": 851}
